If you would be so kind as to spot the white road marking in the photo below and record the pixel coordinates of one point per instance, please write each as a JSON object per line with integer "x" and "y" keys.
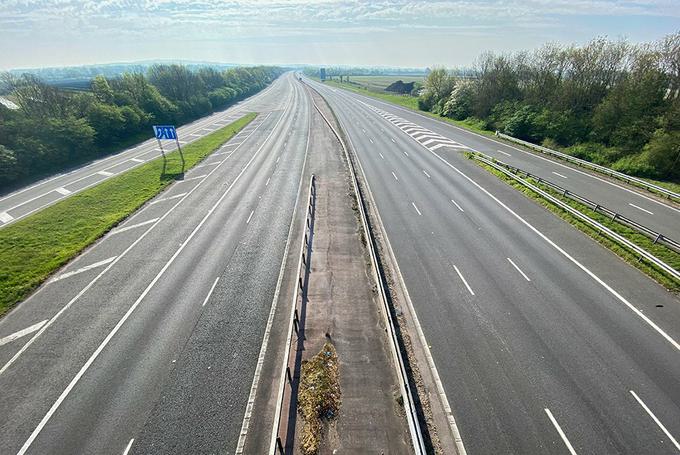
{"x": 445, "y": 144}
{"x": 456, "y": 204}
{"x": 363, "y": 130}
{"x": 268, "y": 178}
{"x": 169, "y": 198}
{"x": 464, "y": 280}
{"x": 105, "y": 173}
{"x": 425, "y": 172}
{"x": 640, "y": 208}
{"x": 193, "y": 178}
{"x": 82, "y": 269}
{"x": 278, "y": 158}
{"x": 395, "y": 176}
{"x": 6, "y": 217}
{"x": 128, "y": 447}
{"x": 250, "y": 216}
{"x": 137, "y": 160}
{"x": 21, "y": 333}
{"x": 504, "y": 153}
{"x": 212, "y": 288}
{"x": 519, "y": 270}
{"x": 559, "y": 430}
{"x": 133, "y": 226}
{"x": 381, "y": 155}
{"x": 214, "y": 163}
{"x": 559, "y": 175}
{"x": 392, "y": 139}
{"x": 405, "y": 153}
{"x": 371, "y": 140}
{"x": 430, "y": 141}
{"x": 63, "y": 191}
{"x": 412, "y": 203}
{"x": 657, "y": 421}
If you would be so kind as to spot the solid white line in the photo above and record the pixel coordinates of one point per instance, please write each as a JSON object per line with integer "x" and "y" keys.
{"x": 250, "y": 216}
{"x": 456, "y": 204}
{"x": 105, "y": 173}
{"x": 559, "y": 430}
{"x": 128, "y": 447}
{"x": 381, "y": 155}
{"x": 21, "y": 333}
{"x": 82, "y": 269}
{"x": 6, "y": 217}
{"x": 464, "y": 281}
{"x": 657, "y": 421}
{"x": 504, "y": 153}
{"x": 640, "y": 208}
{"x": 137, "y": 160}
{"x": 412, "y": 203}
{"x": 169, "y": 198}
{"x": 134, "y": 306}
{"x": 212, "y": 288}
{"x": 428, "y": 175}
{"x": 395, "y": 176}
{"x": 559, "y": 175}
{"x": 519, "y": 270}
{"x": 63, "y": 191}
{"x": 133, "y": 226}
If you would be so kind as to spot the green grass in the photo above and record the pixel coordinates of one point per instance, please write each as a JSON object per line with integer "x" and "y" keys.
{"x": 667, "y": 255}
{"x": 381, "y": 82}
{"x": 36, "y": 246}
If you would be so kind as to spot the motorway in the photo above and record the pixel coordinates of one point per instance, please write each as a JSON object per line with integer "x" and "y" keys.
{"x": 545, "y": 342}
{"x": 636, "y": 204}
{"x": 148, "y": 342}
{"x": 25, "y": 201}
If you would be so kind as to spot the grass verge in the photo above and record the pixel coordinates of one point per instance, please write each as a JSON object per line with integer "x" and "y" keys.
{"x": 35, "y": 247}
{"x": 318, "y": 396}
{"x": 665, "y": 254}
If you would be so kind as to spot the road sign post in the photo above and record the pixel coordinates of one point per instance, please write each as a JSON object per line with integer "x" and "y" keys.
{"x": 168, "y": 132}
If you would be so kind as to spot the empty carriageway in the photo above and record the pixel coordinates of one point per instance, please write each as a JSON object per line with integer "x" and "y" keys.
{"x": 542, "y": 338}
{"x": 184, "y": 304}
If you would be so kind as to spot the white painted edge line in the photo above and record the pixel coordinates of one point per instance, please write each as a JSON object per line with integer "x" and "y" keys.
{"x": 640, "y": 208}
{"x": 611, "y": 290}
{"x": 504, "y": 153}
{"x": 6, "y": 217}
{"x": 105, "y": 173}
{"x": 128, "y": 447}
{"x": 559, "y": 430}
{"x": 63, "y": 191}
{"x": 518, "y": 269}
{"x": 132, "y": 226}
{"x": 395, "y": 176}
{"x": 137, "y": 160}
{"x": 82, "y": 269}
{"x": 464, "y": 281}
{"x": 456, "y": 204}
{"x": 21, "y": 333}
{"x": 212, "y": 288}
{"x": 55, "y": 406}
{"x": 250, "y": 216}
{"x": 656, "y": 420}
{"x": 559, "y": 175}
{"x": 169, "y": 198}
{"x": 414, "y": 205}
{"x": 270, "y": 321}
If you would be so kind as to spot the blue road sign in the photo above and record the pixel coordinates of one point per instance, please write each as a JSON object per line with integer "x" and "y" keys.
{"x": 165, "y": 132}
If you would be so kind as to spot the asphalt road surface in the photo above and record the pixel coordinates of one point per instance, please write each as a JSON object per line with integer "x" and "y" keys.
{"x": 545, "y": 342}
{"x": 25, "y": 201}
{"x": 148, "y": 342}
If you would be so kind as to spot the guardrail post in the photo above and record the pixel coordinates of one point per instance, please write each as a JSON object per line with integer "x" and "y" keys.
{"x": 658, "y": 236}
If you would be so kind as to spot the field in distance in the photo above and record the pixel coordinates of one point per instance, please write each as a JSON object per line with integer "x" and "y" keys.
{"x": 378, "y": 83}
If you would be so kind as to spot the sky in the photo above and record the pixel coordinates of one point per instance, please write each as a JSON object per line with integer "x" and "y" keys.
{"x": 41, "y": 33}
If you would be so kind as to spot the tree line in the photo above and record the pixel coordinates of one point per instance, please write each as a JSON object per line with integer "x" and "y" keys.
{"x": 54, "y": 128}
{"x": 610, "y": 102}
